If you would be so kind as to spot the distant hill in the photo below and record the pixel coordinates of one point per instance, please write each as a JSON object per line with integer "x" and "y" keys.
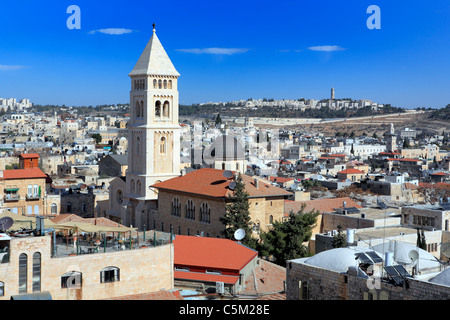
{"x": 441, "y": 114}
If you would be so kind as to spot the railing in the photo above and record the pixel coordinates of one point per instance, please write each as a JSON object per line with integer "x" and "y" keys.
{"x": 33, "y": 196}
{"x": 11, "y": 197}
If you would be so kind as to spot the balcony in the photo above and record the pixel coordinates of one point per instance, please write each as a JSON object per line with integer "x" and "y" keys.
{"x": 33, "y": 196}
{"x": 11, "y": 197}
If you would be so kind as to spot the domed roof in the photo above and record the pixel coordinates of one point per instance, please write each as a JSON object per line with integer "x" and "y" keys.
{"x": 227, "y": 147}
{"x": 442, "y": 278}
{"x": 338, "y": 259}
{"x": 402, "y": 249}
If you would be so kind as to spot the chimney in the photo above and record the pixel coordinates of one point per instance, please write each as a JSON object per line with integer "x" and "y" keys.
{"x": 256, "y": 183}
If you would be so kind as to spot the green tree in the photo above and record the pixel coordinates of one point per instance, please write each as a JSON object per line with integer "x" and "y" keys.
{"x": 218, "y": 119}
{"x": 340, "y": 239}
{"x": 97, "y": 137}
{"x": 285, "y": 239}
{"x": 237, "y": 214}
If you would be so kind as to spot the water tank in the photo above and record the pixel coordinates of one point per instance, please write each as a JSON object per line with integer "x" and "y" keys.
{"x": 350, "y": 236}
{"x": 388, "y": 258}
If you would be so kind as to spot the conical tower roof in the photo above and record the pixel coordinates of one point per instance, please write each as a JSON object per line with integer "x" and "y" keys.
{"x": 154, "y": 60}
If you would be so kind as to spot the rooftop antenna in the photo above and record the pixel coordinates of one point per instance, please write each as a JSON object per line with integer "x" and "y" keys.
{"x": 228, "y": 174}
{"x": 6, "y": 223}
{"x": 232, "y": 185}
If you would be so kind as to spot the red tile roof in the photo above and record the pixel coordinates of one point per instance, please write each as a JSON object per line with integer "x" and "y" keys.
{"x": 31, "y": 173}
{"x": 29, "y": 155}
{"x": 211, "y": 253}
{"x": 351, "y": 171}
{"x": 439, "y": 174}
{"x": 280, "y": 179}
{"x": 204, "y": 277}
{"x": 322, "y": 205}
{"x": 211, "y": 182}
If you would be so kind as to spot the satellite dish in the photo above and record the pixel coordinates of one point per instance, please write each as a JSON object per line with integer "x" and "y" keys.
{"x": 445, "y": 249}
{"x": 232, "y": 185}
{"x": 413, "y": 255}
{"x": 239, "y": 234}
{"x": 228, "y": 174}
{"x": 6, "y": 223}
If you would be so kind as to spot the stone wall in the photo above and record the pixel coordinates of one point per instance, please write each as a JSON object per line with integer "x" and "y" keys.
{"x": 141, "y": 271}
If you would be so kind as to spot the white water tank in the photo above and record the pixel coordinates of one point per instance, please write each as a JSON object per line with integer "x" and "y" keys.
{"x": 350, "y": 236}
{"x": 388, "y": 258}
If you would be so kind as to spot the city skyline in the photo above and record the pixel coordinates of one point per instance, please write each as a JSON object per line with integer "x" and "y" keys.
{"x": 231, "y": 51}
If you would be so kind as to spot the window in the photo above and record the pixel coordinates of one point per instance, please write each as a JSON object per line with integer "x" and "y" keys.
{"x": 182, "y": 268}
{"x": 110, "y": 274}
{"x": 139, "y": 186}
{"x": 30, "y": 190}
{"x": 83, "y": 207}
{"x": 138, "y": 146}
{"x": 159, "y": 84}
{"x": 170, "y": 84}
{"x": 36, "y": 272}
{"x": 162, "y": 145}
{"x": 176, "y": 207}
{"x": 155, "y": 84}
{"x": 72, "y": 279}
{"x": 133, "y": 187}
{"x": 166, "y": 109}
{"x": 2, "y": 289}
{"x": 54, "y": 208}
{"x": 69, "y": 207}
{"x": 35, "y": 190}
{"x": 213, "y": 271}
{"x": 190, "y": 210}
{"x": 23, "y": 269}
{"x": 271, "y": 219}
{"x": 138, "y": 110}
{"x": 158, "y": 108}
{"x": 165, "y": 84}
{"x": 36, "y": 209}
{"x": 205, "y": 213}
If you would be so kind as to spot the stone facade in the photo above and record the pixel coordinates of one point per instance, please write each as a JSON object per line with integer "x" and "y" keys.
{"x": 141, "y": 271}
{"x": 304, "y": 282}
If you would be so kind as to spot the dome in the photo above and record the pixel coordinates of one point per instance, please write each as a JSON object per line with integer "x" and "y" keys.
{"x": 442, "y": 278}
{"x": 227, "y": 147}
{"x": 426, "y": 259}
{"x": 338, "y": 259}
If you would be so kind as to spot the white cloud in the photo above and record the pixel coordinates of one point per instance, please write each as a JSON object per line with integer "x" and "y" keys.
{"x": 326, "y": 48}
{"x": 10, "y": 67}
{"x": 113, "y": 31}
{"x": 223, "y": 51}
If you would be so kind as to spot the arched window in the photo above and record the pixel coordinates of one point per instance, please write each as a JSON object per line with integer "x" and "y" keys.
{"x": 165, "y": 84}
{"x": 205, "y": 213}
{"x": 155, "y": 84}
{"x": 159, "y": 84}
{"x": 139, "y": 187}
{"x": 110, "y": 274}
{"x": 36, "y": 209}
{"x": 158, "y": 108}
{"x": 72, "y": 279}
{"x": 190, "y": 210}
{"x": 166, "y": 109}
{"x": 133, "y": 187}
{"x": 135, "y": 84}
{"x": 137, "y": 110}
{"x": 223, "y": 165}
{"x": 23, "y": 273}
{"x": 176, "y": 207}
{"x": 54, "y": 208}
{"x": 69, "y": 207}
{"x": 2, "y": 289}
{"x": 36, "y": 272}
{"x": 271, "y": 219}
{"x": 142, "y": 108}
{"x": 162, "y": 145}
{"x": 170, "y": 84}
{"x": 138, "y": 145}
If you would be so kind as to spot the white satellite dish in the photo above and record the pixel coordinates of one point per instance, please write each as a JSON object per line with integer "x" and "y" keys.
{"x": 239, "y": 234}
{"x": 445, "y": 249}
{"x": 413, "y": 255}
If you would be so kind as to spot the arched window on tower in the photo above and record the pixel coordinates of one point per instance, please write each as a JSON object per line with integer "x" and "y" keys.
{"x": 159, "y": 84}
{"x": 170, "y": 84}
{"x": 155, "y": 84}
{"x": 158, "y": 109}
{"x": 138, "y": 146}
{"x": 162, "y": 145}
{"x": 166, "y": 109}
{"x": 165, "y": 84}
{"x": 133, "y": 186}
{"x": 139, "y": 187}
{"x": 138, "y": 110}
{"x": 142, "y": 108}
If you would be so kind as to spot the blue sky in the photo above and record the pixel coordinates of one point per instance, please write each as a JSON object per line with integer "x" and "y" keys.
{"x": 229, "y": 50}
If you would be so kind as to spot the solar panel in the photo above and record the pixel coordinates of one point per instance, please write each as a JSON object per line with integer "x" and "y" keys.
{"x": 352, "y": 210}
{"x": 364, "y": 259}
{"x": 402, "y": 271}
{"x": 445, "y": 206}
{"x": 375, "y": 257}
{"x": 382, "y": 205}
{"x": 394, "y": 275}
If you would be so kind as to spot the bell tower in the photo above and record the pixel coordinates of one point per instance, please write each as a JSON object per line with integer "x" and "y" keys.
{"x": 153, "y": 129}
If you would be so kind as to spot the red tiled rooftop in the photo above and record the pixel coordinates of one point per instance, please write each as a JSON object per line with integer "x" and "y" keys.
{"x": 215, "y": 253}
{"x": 439, "y": 174}
{"x": 322, "y": 205}
{"x": 205, "y": 277}
{"x": 351, "y": 171}
{"x": 29, "y": 155}
{"x": 31, "y": 173}
{"x": 211, "y": 182}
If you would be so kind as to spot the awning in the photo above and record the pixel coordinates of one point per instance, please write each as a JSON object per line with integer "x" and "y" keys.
{"x": 92, "y": 228}
{"x": 4, "y": 236}
{"x": 12, "y": 189}
{"x": 44, "y": 295}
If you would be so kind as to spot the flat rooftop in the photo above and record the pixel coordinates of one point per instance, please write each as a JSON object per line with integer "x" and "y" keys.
{"x": 377, "y": 233}
{"x": 373, "y": 213}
